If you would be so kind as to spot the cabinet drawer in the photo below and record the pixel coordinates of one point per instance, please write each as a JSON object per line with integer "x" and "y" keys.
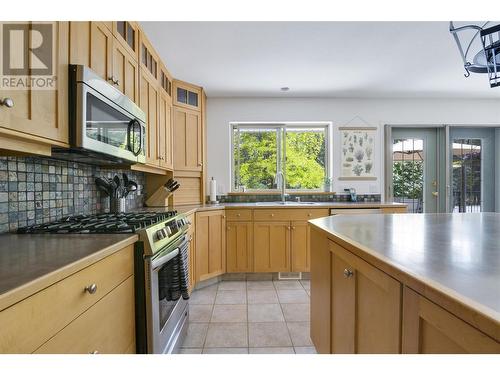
{"x": 107, "y": 327}
{"x": 292, "y": 214}
{"x": 239, "y": 215}
{"x": 28, "y": 324}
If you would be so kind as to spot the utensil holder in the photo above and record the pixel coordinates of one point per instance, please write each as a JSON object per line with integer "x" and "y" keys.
{"x": 117, "y": 205}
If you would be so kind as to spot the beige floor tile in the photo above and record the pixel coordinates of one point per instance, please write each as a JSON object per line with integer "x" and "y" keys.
{"x": 262, "y": 296}
{"x": 196, "y": 334}
{"x": 300, "y": 333}
{"x": 296, "y": 312}
{"x": 200, "y": 313}
{"x": 268, "y": 334}
{"x": 306, "y": 284}
{"x": 270, "y": 350}
{"x": 190, "y": 351}
{"x": 225, "y": 351}
{"x": 203, "y": 297}
{"x": 231, "y": 297}
{"x": 233, "y": 285}
{"x": 265, "y": 312}
{"x": 260, "y": 285}
{"x": 227, "y": 335}
{"x": 287, "y": 284}
{"x": 229, "y": 314}
{"x": 260, "y": 276}
{"x": 293, "y": 296}
{"x": 305, "y": 350}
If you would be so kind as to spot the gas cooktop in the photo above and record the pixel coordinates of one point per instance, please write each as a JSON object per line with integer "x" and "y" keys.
{"x": 129, "y": 222}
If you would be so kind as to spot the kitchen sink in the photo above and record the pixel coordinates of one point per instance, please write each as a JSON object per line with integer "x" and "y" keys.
{"x": 280, "y": 203}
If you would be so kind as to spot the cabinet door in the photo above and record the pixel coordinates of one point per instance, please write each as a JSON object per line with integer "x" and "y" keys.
{"x": 239, "y": 240}
{"x": 39, "y": 115}
{"x": 149, "y": 99}
{"x": 127, "y": 34}
{"x": 321, "y": 274}
{"x": 192, "y": 251}
{"x": 430, "y": 329}
{"x": 165, "y": 140}
{"x": 125, "y": 72}
{"x": 300, "y": 246}
{"x": 272, "y": 247}
{"x": 188, "y": 138}
{"x": 210, "y": 244}
{"x": 100, "y": 53}
{"x": 357, "y": 286}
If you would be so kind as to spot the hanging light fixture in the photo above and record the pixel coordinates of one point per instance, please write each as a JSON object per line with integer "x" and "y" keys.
{"x": 482, "y": 43}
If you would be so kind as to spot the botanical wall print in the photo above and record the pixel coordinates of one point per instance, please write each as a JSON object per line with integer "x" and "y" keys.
{"x": 357, "y": 156}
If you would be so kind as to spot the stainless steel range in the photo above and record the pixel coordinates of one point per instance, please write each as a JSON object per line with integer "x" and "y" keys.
{"x": 161, "y": 272}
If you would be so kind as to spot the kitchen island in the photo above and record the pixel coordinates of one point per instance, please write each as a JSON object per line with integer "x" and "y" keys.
{"x": 406, "y": 283}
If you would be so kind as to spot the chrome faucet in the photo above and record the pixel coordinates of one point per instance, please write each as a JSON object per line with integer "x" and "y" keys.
{"x": 279, "y": 179}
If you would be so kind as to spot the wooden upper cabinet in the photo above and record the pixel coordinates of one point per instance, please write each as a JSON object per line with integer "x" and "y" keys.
{"x": 148, "y": 102}
{"x": 187, "y": 131}
{"x": 127, "y": 34}
{"x": 271, "y": 246}
{"x": 125, "y": 72}
{"x": 356, "y": 326}
{"x": 38, "y": 119}
{"x": 92, "y": 44}
{"x": 165, "y": 131}
{"x": 148, "y": 58}
{"x": 210, "y": 247}
{"x": 430, "y": 329}
{"x": 187, "y": 95}
{"x": 165, "y": 80}
{"x": 239, "y": 236}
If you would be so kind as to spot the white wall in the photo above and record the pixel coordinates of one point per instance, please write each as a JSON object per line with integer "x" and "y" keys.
{"x": 376, "y": 112}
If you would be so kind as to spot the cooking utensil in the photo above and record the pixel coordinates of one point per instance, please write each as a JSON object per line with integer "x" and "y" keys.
{"x": 103, "y": 185}
{"x": 175, "y": 187}
{"x": 171, "y": 182}
{"x": 125, "y": 180}
{"x": 131, "y": 186}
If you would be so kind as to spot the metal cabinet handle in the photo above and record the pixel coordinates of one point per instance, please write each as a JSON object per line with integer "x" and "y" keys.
{"x": 94, "y": 352}
{"x": 238, "y": 215}
{"x": 91, "y": 289}
{"x": 348, "y": 273}
{"x": 309, "y": 215}
{"x": 117, "y": 82}
{"x": 293, "y": 228}
{"x": 272, "y": 215}
{"x": 8, "y": 102}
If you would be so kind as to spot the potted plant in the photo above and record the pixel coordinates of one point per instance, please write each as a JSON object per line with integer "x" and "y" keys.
{"x": 327, "y": 184}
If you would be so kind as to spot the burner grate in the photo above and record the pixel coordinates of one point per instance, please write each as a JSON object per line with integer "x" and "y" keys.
{"x": 129, "y": 222}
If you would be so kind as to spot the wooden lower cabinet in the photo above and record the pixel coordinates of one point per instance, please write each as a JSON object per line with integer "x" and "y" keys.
{"x": 108, "y": 327}
{"x": 271, "y": 246}
{"x": 300, "y": 249}
{"x": 239, "y": 242}
{"x": 365, "y": 315}
{"x": 28, "y": 325}
{"x": 430, "y": 329}
{"x": 210, "y": 255}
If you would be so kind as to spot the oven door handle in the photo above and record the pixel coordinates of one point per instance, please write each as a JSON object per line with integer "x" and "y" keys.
{"x": 157, "y": 263}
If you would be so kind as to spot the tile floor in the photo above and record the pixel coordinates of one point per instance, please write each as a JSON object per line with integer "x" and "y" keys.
{"x": 250, "y": 317}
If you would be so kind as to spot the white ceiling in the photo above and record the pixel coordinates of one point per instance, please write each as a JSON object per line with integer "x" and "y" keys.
{"x": 317, "y": 59}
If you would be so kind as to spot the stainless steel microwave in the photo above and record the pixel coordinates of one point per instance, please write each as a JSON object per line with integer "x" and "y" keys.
{"x": 106, "y": 127}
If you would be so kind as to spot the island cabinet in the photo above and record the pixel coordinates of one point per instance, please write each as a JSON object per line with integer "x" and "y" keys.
{"x": 90, "y": 311}
{"x": 430, "y": 329}
{"x": 31, "y": 121}
{"x": 210, "y": 256}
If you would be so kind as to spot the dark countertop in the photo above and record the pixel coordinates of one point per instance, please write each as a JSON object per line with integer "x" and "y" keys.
{"x": 456, "y": 254}
{"x": 187, "y": 209}
{"x": 29, "y": 259}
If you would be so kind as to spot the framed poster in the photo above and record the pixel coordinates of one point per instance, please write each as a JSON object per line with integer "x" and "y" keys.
{"x": 357, "y": 153}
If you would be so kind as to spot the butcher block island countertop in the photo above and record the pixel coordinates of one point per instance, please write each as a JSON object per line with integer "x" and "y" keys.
{"x": 444, "y": 271}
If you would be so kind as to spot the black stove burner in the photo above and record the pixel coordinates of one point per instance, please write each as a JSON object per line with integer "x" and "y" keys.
{"x": 128, "y": 222}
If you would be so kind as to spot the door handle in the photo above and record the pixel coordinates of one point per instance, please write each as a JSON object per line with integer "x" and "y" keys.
{"x": 435, "y": 193}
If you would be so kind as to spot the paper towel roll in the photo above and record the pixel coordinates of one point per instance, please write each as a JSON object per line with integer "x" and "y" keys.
{"x": 213, "y": 190}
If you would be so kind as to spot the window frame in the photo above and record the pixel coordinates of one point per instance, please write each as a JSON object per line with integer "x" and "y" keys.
{"x": 281, "y": 150}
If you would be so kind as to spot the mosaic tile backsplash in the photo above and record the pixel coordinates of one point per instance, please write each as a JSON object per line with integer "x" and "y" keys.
{"x": 35, "y": 190}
